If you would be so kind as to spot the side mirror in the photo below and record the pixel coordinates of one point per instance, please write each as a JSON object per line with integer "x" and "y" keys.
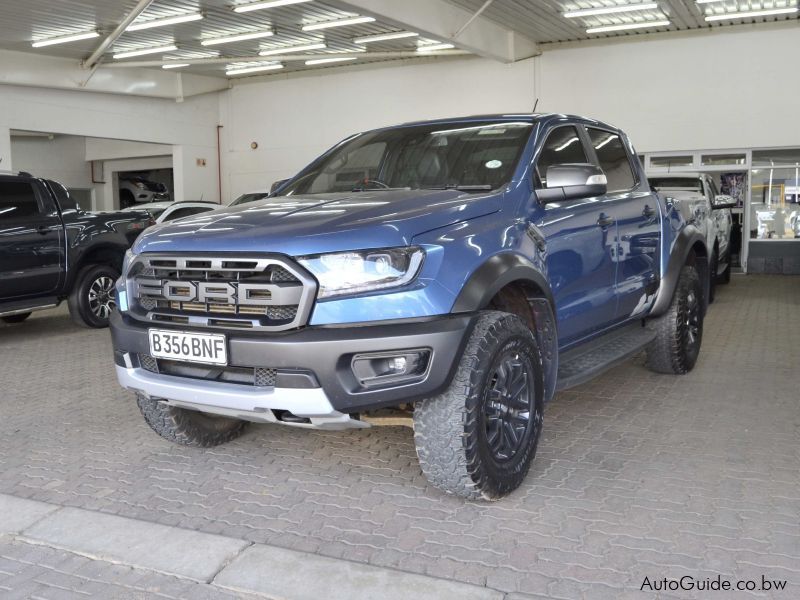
{"x": 723, "y": 201}
{"x": 573, "y": 182}
{"x": 276, "y": 185}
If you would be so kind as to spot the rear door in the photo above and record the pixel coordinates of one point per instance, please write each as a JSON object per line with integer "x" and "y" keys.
{"x": 31, "y": 240}
{"x": 636, "y": 212}
{"x": 580, "y": 241}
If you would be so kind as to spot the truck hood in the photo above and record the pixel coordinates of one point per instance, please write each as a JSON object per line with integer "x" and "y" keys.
{"x": 299, "y": 225}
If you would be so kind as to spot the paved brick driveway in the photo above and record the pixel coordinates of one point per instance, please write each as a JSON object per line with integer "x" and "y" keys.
{"x": 637, "y": 474}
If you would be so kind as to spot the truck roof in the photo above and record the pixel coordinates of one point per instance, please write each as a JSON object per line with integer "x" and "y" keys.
{"x": 527, "y": 117}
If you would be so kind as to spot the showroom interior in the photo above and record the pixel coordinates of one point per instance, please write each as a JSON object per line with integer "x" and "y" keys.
{"x": 640, "y": 479}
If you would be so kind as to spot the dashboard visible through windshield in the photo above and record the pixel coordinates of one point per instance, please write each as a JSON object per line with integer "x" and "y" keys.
{"x": 470, "y": 157}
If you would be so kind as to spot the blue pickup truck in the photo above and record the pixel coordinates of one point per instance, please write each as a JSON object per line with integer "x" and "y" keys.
{"x": 461, "y": 270}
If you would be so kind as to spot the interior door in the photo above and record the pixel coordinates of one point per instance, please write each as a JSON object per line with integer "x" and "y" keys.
{"x": 31, "y": 240}
{"x": 580, "y": 241}
{"x": 638, "y": 223}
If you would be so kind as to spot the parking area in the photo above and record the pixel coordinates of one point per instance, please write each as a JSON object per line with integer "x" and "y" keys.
{"x": 638, "y": 475}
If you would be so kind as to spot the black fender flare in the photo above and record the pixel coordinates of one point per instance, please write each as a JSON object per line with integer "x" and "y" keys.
{"x": 687, "y": 240}
{"x": 493, "y": 275}
{"x": 496, "y": 273}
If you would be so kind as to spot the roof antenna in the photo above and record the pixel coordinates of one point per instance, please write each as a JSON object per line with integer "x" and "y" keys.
{"x": 535, "y": 104}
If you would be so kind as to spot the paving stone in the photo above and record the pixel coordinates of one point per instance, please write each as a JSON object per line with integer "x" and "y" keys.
{"x": 643, "y": 470}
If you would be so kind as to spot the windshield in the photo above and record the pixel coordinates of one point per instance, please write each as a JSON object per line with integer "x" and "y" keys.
{"x": 676, "y": 183}
{"x": 475, "y": 156}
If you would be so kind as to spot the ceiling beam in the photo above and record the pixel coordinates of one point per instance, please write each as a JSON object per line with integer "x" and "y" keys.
{"x": 112, "y": 37}
{"x": 446, "y": 22}
{"x": 282, "y": 58}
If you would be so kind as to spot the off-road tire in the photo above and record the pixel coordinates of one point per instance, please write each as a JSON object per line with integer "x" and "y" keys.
{"x": 675, "y": 349}
{"x": 188, "y": 427}
{"x": 451, "y": 429}
{"x": 79, "y": 302}
{"x": 712, "y": 283}
{"x": 16, "y": 318}
{"x": 726, "y": 274}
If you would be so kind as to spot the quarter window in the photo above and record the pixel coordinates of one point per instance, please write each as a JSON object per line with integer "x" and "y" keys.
{"x": 613, "y": 159}
{"x": 563, "y": 146}
{"x": 17, "y": 200}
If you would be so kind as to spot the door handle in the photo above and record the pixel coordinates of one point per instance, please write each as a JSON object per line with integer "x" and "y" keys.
{"x": 42, "y": 229}
{"x": 605, "y": 221}
{"x": 648, "y": 211}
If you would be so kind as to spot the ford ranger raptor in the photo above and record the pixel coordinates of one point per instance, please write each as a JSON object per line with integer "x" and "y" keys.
{"x": 462, "y": 270}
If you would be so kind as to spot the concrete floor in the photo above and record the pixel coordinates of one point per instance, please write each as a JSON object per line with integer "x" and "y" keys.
{"x": 638, "y": 475}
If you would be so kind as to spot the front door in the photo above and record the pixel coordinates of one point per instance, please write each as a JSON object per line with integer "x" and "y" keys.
{"x": 31, "y": 238}
{"x": 636, "y": 211}
{"x": 581, "y": 237}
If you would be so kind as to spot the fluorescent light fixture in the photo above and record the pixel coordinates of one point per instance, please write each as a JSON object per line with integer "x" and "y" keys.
{"x": 274, "y": 51}
{"x": 262, "y": 5}
{"x": 86, "y": 35}
{"x": 241, "y": 37}
{"x": 338, "y": 23}
{"x": 435, "y": 47}
{"x": 320, "y": 61}
{"x": 642, "y": 25}
{"x": 173, "y": 20}
{"x": 244, "y": 70}
{"x": 143, "y": 51}
{"x": 381, "y": 37}
{"x": 175, "y": 66}
{"x": 608, "y": 10}
{"x": 752, "y": 13}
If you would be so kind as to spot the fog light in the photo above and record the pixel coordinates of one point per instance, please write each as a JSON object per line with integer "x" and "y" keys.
{"x": 395, "y": 367}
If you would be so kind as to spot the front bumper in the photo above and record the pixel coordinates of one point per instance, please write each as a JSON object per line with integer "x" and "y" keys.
{"x": 315, "y": 377}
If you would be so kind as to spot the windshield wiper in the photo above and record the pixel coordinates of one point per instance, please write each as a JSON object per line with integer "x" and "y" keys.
{"x": 464, "y": 188}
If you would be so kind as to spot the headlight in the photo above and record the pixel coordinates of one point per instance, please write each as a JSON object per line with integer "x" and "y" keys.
{"x": 126, "y": 262}
{"x": 364, "y": 271}
{"x": 139, "y": 185}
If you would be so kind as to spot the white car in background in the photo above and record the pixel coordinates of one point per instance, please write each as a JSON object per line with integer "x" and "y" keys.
{"x": 696, "y": 194}
{"x": 169, "y": 211}
{"x": 249, "y": 197}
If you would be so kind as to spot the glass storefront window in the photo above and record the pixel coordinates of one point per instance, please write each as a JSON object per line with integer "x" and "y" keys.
{"x": 709, "y": 160}
{"x": 774, "y": 206}
{"x": 782, "y": 157}
{"x": 665, "y": 162}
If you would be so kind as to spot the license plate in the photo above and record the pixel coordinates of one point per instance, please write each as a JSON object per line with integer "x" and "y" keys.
{"x": 190, "y": 347}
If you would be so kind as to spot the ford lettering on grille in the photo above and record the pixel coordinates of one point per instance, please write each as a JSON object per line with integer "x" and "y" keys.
{"x": 266, "y": 293}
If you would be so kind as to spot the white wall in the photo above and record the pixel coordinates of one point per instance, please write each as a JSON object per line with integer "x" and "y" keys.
{"x": 190, "y": 124}
{"x": 293, "y": 120}
{"x": 731, "y": 88}
{"x": 725, "y": 88}
{"x": 62, "y": 158}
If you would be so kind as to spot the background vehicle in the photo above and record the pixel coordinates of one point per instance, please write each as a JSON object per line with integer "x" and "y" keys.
{"x": 698, "y": 192}
{"x": 51, "y": 250}
{"x": 135, "y": 189}
{"x": 249, "y": 197}
{"x": 169, "y": 211}
{"x": 461, "y": 270}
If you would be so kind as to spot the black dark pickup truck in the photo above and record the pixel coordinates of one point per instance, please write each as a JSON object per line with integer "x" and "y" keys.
{"x": 51, "y": 250}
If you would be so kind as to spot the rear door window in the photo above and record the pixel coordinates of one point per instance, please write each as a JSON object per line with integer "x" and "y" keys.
{"x": 563, "y": 145}
{"x": 17, "y": 200}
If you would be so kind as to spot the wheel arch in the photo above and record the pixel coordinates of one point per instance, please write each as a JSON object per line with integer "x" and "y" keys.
{"x": 101, "y": 254}
{"x": 512, "y": 283}
{"x": 689, "y": 248}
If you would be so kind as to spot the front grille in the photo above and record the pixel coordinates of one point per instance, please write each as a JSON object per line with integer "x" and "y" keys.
{"x": 229, "y": 292}
{"x": 253, "y": 376}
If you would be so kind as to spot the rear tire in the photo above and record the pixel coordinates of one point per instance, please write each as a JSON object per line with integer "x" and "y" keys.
{"x": 679, "y": 332}
{"x": 16, "y": 318}
{"x": 478, "y": 438}
{"x": 188, "y": 427}
{"x": 92, "y": 299}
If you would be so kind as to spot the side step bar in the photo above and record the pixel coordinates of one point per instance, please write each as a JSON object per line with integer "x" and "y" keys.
{"x": 18, "y": 309}
{"x": 589, "y": 360}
